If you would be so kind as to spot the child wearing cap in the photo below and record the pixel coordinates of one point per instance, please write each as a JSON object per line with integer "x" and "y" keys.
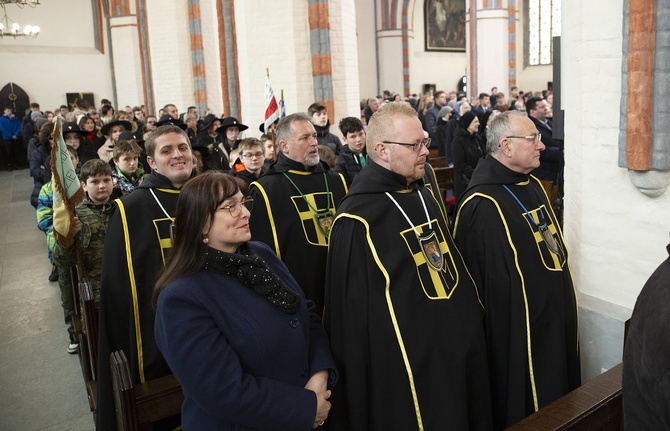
{"x": 127, "y": 173}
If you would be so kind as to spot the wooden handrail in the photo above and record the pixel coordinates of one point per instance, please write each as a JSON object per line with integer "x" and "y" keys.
{"x": 594, "y": 406}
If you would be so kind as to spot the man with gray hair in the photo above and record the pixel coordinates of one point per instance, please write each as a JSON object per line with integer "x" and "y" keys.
{"x": 294, "y": 205}
{"x": 513, "y": 245}
{"x": 405, "y": 323}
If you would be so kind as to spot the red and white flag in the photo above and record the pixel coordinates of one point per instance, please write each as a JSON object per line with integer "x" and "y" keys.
{"x": 272, "y": 112}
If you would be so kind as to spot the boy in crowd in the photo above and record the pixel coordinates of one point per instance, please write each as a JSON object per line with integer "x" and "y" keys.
{"x": 318, "y": 115}
{"x": 127, "y": 173}
{"x": 353, "y": 156}
{"x": 91, "y": 221}
{"x": 252, "y": 155}
{"x": 60, "y": 273}
{"x": 270, "y": 150}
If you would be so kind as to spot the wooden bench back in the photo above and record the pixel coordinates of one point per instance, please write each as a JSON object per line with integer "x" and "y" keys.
{"x": 138, "y": 406}
{"x": 594, "y": 406}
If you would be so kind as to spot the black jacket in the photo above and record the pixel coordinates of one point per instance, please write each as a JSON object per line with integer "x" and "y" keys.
{"x": 467, "y": 152}
{"x": 324, "y": 137}
{"x": 349, "y": 163}
{"x": 551, "y": 159}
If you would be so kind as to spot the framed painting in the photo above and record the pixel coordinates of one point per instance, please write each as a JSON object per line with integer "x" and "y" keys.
{"x": 79, "y": 101}
{"x": 444, "y": 25}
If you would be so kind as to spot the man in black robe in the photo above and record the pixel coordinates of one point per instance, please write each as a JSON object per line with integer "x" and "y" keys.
{"x": 294, "y": 205}
{"x": 138, "y": 238}
{"x": 514, "y": 249}
{"x": 403, "y": 314}
{"x": 646, "y": 358}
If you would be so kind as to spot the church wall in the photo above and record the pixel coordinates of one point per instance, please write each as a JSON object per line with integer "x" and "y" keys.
{"x": 61, "y": 59}
{"x": 289, "y": 60}
{"x": 210, "y": 43}
{"x": 170, "y": 53}
{"x": 277, "y": 39}
{"x": 444, "y": 69}
{"x": 532, "y": 78}
{"x": 617, "y": 236}
{"x": 344, "y": 51}
{"x": 127, "y": 67}
{"x": 492, "y": 52}
{"x": 367, "y": 51}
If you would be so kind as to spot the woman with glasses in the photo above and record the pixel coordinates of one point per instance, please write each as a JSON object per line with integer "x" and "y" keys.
{"x": 232, "y": 323}
{"x": 466, "y": 150}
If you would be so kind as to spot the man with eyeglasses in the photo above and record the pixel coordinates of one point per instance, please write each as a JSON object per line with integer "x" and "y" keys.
{"x": 252, "y": 155}
{"x": 512, "y": 243}
{"x": 405, "y": 324}
{"x": 294, "y": 205}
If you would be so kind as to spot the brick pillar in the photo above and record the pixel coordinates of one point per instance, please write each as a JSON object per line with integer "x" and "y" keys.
{"x": 641, "y": 45}
{"x": 322, "y": 68}
{"x": 197, "y": 57}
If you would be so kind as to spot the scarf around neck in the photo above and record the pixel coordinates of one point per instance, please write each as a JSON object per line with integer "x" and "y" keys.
{"x": 253, "y": 273}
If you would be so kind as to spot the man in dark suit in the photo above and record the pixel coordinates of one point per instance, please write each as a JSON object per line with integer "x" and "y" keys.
{"x": 484, "y": 104}
{"x": 551, "y": 159}
{"x": 432, "y": 115}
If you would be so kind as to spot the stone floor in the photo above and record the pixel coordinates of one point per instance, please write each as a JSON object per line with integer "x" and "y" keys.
{"x": 42, "y": 387}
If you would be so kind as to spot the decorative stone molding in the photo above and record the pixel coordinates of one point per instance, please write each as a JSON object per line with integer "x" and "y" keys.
{"x": 644, "y": 148}
{"x": 650, "y": 183}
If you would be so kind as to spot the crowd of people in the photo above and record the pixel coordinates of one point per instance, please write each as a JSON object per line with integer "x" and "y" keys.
{"x": 285, "y": 292}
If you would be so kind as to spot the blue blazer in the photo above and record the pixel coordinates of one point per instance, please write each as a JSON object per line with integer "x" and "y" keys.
{"x": 241, "y": 361}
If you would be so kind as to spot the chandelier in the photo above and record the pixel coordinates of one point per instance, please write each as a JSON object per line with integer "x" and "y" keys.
{"x": 21, "y": 3}
{"x": 14, "y": 29}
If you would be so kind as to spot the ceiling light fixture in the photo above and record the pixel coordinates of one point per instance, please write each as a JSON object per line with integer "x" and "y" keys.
{"x": 9, "y": 28}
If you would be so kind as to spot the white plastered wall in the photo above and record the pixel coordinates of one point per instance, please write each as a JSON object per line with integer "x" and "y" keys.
{"x": 277, "y": 39}
{"x": 616, "y": 235}
{"x": 170, "y": 46}
{"x": 61, "y": 59}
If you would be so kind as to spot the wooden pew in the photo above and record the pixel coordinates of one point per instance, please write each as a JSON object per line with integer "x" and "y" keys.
{"x": 86, "y": 332}
{"x": 138, "y": 406}
{"x": 594, "y": 406}
{"x": 445, "y": 180}
{"x": 88, "y": 345}
{"x": 438, "y": 162}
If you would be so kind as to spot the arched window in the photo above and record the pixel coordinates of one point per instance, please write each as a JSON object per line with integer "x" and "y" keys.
{"x": 543, "y": 22}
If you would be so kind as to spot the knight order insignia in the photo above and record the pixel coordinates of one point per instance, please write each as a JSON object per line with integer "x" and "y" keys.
{"x": 325, "y": 222}
{"x": 430, "y": 248}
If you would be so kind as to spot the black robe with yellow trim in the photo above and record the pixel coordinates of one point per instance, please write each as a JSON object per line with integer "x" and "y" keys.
{"x": 285, "y": 222}
{"x": 407, "y": 339}
{"x": 430, "y": 182}
{"x": 528, "y": 293}
{"x": 138, "y": 230}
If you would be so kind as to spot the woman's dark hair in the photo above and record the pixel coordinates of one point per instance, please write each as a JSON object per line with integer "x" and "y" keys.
{"x": 198, "y": 201}
{"x": 45, "y": 132}
{"x": 82, "y": 121}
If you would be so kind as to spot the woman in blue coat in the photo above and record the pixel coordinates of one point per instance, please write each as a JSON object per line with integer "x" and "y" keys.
{"x": 232, "y": 323}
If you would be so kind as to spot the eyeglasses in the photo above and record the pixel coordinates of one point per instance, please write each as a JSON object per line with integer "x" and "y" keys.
{"x": 252, "y": 155}
{"x": 416, "y": 147}
{"x": 535, "y": 139}
{"x": 235, "y": 209}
